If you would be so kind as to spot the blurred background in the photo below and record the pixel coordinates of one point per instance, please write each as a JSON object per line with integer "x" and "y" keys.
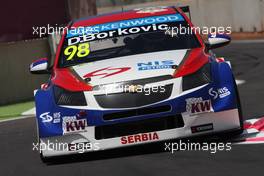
{"x": 19, "y": 46}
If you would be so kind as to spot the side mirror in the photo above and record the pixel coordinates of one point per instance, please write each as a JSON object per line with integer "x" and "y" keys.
{"x": 40, "y": 66}
{"x": 218, "y": 40}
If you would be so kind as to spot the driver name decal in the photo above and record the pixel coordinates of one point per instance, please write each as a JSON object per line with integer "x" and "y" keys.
{"x": 116, "y": 33}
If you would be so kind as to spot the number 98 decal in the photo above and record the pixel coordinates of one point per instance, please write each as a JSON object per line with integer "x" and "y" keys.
{"x": 81, "y": 50}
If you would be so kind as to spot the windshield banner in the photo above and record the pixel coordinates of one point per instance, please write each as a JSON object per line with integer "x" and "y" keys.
{"x": 123, "y": 24}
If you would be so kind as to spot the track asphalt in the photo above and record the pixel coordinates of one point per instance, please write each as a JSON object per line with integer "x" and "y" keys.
{"x": 17, "y": 136}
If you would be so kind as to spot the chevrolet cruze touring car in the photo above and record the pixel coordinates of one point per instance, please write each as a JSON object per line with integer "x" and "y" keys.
{"x": 129, "y": 78}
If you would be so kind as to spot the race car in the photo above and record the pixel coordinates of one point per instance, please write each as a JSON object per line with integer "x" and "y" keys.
{"x": 130, "y": 78}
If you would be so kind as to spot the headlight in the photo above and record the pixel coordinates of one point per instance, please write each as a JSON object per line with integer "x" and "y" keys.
{"x": 65, "y": 97}
{"x": 199, "y": 78}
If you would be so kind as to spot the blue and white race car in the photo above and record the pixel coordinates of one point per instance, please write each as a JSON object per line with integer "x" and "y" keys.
{"x": 122, "y": 79}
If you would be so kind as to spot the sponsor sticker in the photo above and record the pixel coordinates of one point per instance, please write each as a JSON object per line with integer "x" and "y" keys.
{"x": 137, "y": 138}
{"x": 115, "y": 26}
{"x": 154, "y": 65}
{"x": 202, "y": 128}
{"x": 198, "y": 106}
{"x": 47, "y": 118}
{"x": 71, "y": 125}
{"x": 56, "y": 117}
{"x": 219, "y": 93}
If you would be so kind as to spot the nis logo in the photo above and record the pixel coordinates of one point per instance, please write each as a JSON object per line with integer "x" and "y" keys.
{"x": 153, "y": 65}
{"x": 221, "y": 92}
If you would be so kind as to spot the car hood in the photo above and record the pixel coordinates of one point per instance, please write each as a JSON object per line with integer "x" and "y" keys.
{"x": 130, "y": 67}
{"x": 176, "y": 63}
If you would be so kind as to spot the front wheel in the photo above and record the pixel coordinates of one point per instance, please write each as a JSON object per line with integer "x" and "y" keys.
{"x": 240, "y": 113}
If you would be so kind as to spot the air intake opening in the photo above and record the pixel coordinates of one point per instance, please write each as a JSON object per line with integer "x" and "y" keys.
{"x": 136, "y": 127}
{"x": 137, "y": 112}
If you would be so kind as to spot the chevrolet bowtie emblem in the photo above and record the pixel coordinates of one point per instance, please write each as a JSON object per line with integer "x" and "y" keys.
{"x": 133, "y": 88}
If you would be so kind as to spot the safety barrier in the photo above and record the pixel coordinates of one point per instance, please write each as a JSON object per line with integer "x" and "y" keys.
{"x": 17, "y": 84}
{"x": 241, "y": 15}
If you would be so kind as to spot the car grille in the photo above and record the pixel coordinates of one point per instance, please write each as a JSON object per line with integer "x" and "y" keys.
{"x": 130, "y": 100}
{"x": 137, "y": 82}
{"x": 137, "y": 112}
{"x": 136, "y": 127}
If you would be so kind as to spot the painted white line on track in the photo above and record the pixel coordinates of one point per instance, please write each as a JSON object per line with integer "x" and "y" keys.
{"x": 15, "y": 118}
{"x": 239, "y": 82}
{"x": 30, "y": 112}
{"x": 247, "y": 41}
{"x": 248, "y": 143}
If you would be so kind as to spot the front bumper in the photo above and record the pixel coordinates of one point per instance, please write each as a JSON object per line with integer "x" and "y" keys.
{"x": 197, "y": 112}
{"x": 221, "y": 121}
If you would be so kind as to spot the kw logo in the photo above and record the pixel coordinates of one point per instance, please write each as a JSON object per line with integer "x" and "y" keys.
{"x": 203, "y": 106}
{"x": 76, "y": 125}
{"x": 198, "y": 105}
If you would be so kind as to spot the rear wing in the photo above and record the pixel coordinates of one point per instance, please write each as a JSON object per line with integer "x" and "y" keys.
{"x": 186, "y": 10}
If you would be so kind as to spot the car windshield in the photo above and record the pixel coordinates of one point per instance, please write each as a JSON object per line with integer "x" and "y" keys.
{"x": 126, "y": 41}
